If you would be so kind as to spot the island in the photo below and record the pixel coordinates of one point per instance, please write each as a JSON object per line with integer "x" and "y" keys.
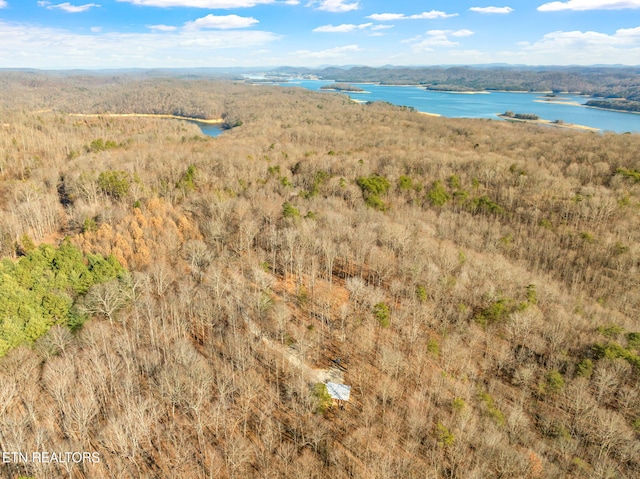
{"x": 519, "y": 116}
{"x": 342, "y": 87}
{"x": 450, "y": 88}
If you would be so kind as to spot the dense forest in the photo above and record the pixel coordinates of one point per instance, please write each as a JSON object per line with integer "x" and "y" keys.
{"x": 622, "y": 82}
{"x": 175, "y": 303}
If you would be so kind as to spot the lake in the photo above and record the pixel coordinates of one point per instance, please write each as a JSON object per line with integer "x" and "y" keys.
{"x": 207, "y": 128}
{"x": 487, "y": 105}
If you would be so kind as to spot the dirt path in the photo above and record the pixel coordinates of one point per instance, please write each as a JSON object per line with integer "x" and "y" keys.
{"x": 313, "y": 375}
{"x": 147, "y": 115}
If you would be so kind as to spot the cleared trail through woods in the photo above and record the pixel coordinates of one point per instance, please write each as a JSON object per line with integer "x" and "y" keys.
{"x": 313, "y": 375}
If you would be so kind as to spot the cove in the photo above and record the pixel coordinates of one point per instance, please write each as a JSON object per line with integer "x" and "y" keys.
{"x": 566, "y": 107}
{"x": 208, "y": 128}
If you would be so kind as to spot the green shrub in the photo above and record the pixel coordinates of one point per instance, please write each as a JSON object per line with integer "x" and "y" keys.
{"x": 454, "y": 182}
{"x": 382, "y": 314}
{"x": 284, "y": 181}
{"x": 26, "y": 245}
{"x": 273, "y": 170}
{"x": 484, "y": 204}
{"x": 100, "y": 145}
{"x": 532, "y": 294}
{"x": 587, "y": 237}
{"x": 630, "y": 174}
{"x": 421, "y": 293}
{"x": 114, "y": 184}
{"x": 496, "y": 312}
{"x": 611, "y": 330}
{"x": 633, "y": 340}
{"x": 186, "y": 182}
{"x": 433, "y": 346}
{"x": 319, "y": 178}
{"x": 492, "y": 410}
{"x": 584, "y": 368}
{"x": 613, "y": 350}
{"x": 375, "y": 202}
{"x": 545, "y": 223}
{"x": 322, "y": 397}
{"x": 460, "y": 196}
{"x": 405, "y": 183}
{"x": 372, "y": 188}
{"x": 444, "y": 437}
{"x": 553, "y": 382}
{"x": 438, "y": 195}
{"x": 290, "y": 211}
{"x": 609, "y": 351}
{"x": 373, "y": 185}
{"x": 458, "y": 404}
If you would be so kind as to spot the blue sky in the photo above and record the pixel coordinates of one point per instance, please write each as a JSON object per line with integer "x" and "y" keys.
{"x": 215, "y": 33}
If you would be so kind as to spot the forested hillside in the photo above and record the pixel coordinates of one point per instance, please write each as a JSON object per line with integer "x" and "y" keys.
{"x": 477, "y": 280}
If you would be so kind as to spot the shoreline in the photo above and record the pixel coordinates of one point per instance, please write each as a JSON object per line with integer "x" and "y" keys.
{"x": 612, "y": 109}
{"x": 569, "y": 126}
{"x": 480, "y": 92}
{"x": 429, "y": 114}
{"x": 218, "y": 121}
{"x": 349, "y": 92}
{"x": 560, "y": 102}
{"x": 575, "y": 103}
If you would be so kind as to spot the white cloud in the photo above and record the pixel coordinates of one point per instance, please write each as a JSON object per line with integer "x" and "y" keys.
{"x": 460, "y": 33}
{"x": 428, "y": 44}
{"x": 67, "y": 7}
{"x": 437, "y": 39}
{"x": 432, "y": 15}
{"x": 96, "y": 29}
{"x": 582, "y": 48}
{"x": 336, "y": 52}
{"x": 162, "y": 28}
{"x": 221, "y": 22}
{"x": 344, "y": 28}
{"x": 491, "y": 9}
{"x": 387, "y": 17}
{"x": 33, "y": 46}
{"x": 633, "y": 34}
{"x": 577, "y": 40}
{"x": 381, "y": 27}
{"x": 589, "y": 5}
{"x": 198, "y": 3}
{"x": 336, "y": 6}
{"x": 3, "y": 3}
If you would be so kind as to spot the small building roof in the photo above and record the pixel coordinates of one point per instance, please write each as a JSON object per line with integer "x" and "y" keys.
{"x": 339, "y": 391}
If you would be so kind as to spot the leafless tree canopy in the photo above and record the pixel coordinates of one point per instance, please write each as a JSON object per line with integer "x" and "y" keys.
{"x": 477, "y": 280}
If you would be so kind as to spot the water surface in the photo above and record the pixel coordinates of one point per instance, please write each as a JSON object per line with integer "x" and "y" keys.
{"x": 487, "y": 105}
{"x": 208, "y": 128}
